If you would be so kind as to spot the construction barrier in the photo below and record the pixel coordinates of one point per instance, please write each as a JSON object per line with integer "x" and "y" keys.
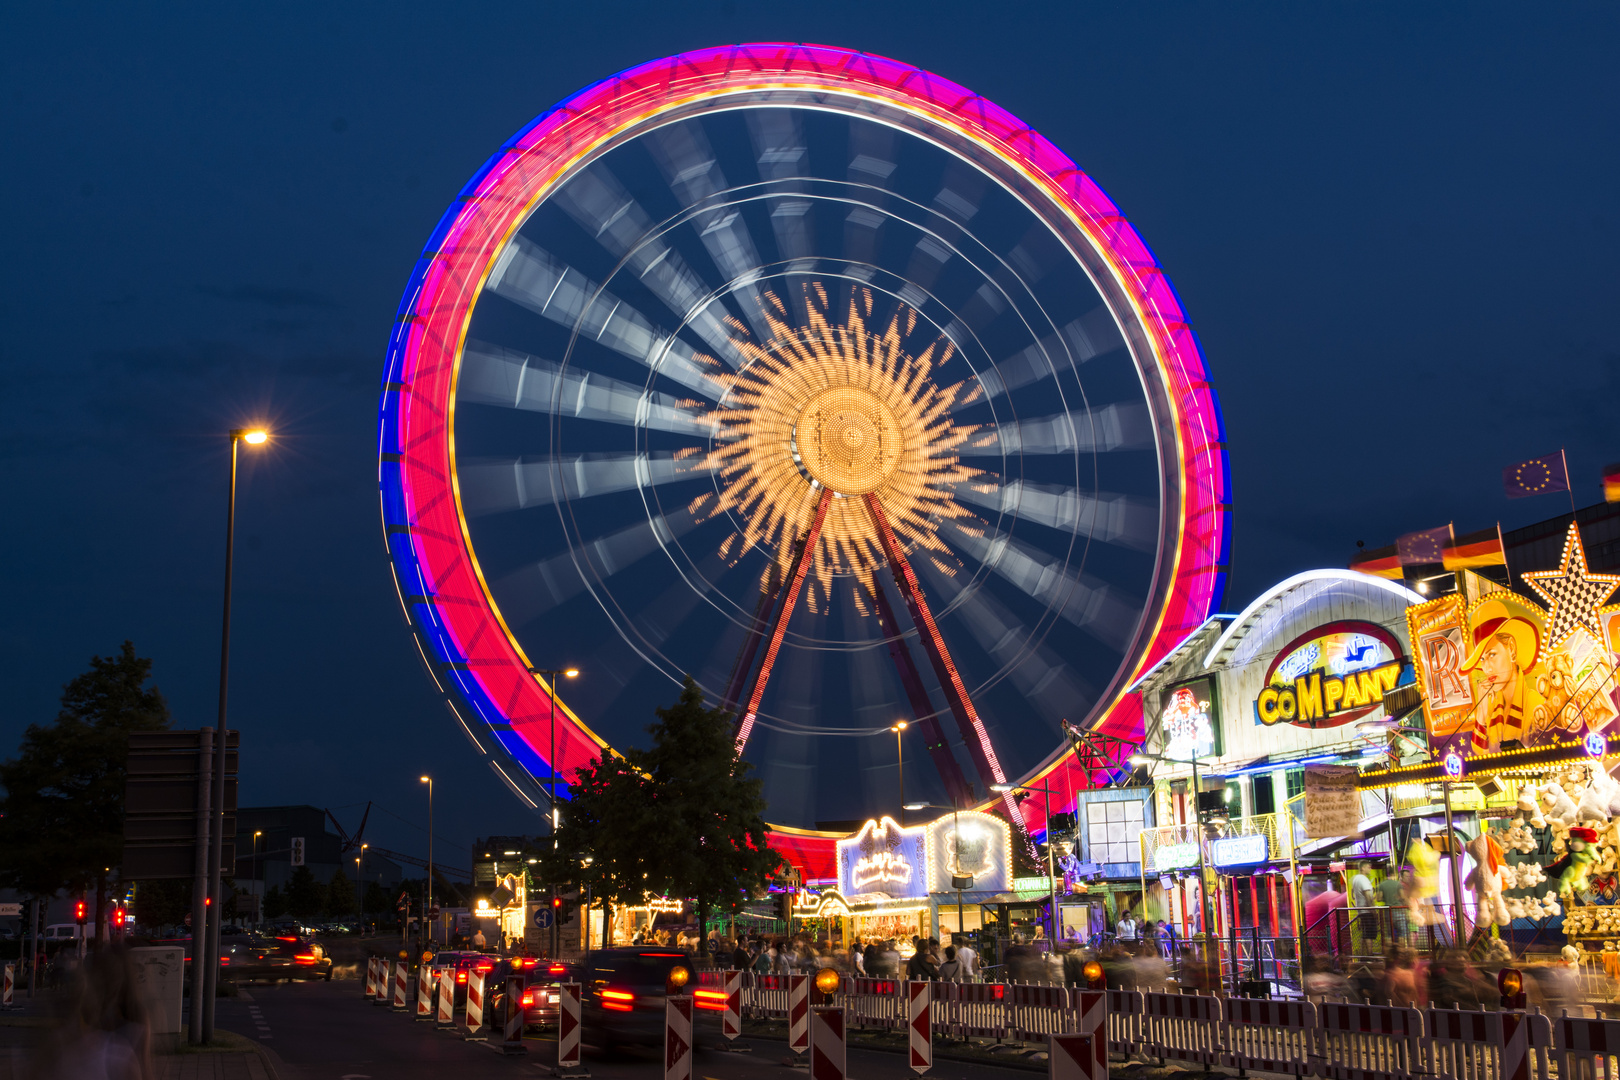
{"x": 401, "y": 986}
{"x": 8, "y": 988}
{"x": 425, "y": 987}
{"x": 513, "y": 1042}
{"x": 475, "y": 1006}
{"x": 678, "y": 1037}
{"x": 798, "y": 1013}
{"x": 1035, "y": 1012}
{"x": 447, "y": 998}
{"x": 567, "y": 1026}
{"x": 371, "y": 977}
{"x": 1586, "y": 1049}
{"x": 1073, "y": 1057}
{"x": 1271, "y": 1036}
{"x": 919, "y": 1025}
{"x": 829, "y": 1049}
{"x": 767, "y": 997}
{"x": 876, "y": 1003}
{"x": 1496, "y": 1045}
{"x": 385, "y": 982}
{"x": 731, "y": 1016}
{"x": 971, "y": 1010}
{"x": 1182, "y": 1027}
{"x": 1091, "y": 1015}
{"x": 1124, "y": 1011}
{"x": 1369, "y": 1042}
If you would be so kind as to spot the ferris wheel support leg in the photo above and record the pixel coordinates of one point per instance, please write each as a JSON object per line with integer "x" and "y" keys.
{"x": 790, "y": 594}
{"x": 933, "y": 642}
{"x": 921, "y": 708}
{"x": 735, "y": 686}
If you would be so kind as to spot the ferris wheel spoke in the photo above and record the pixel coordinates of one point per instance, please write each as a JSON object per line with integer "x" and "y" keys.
{"x": 533, "y": 278}
{"x": 1121, "y": 426}
{"x": 781, "y": 153}
{"x": 491, "y": 375}
{"x": 1076, "y": 342}
{"x": 1115, "y": 519}
{"x": 492, "y": 487}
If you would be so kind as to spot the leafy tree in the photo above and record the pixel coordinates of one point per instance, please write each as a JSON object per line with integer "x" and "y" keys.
{"x": 162, "y": 902}
{"x": 377, "y": 899}
{"x": 712, "y": 844}
{"x": 275, "y": 903}
{"x": 63, "y": 812}
{"x": 305, "y": 896}
{"x": 339, "y": 894}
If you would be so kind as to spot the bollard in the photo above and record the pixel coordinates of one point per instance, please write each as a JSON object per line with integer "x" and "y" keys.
{"x": 829, "y": 1051}
{"x": 401, "y": 984}
{"x": 9, "y": 985}
{"x": 447, "y": 998}
{"x": 425, "y": 990}
{"x": 371, "y": 977}
{"x": 678, "y": 1037}
{"x": 919, "y": 1019}
{"x": 798, "y": 1013}
{"x": 731, "y": 1016}
{"x": 475, "y": 1007}
{"x": 568, "y": 1031}
{"x": 513, "y": 1042}
{"x": 1073, "y": 1057}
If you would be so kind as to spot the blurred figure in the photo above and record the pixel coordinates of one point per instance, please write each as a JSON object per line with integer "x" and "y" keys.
{"x": 1152, "y": 973}
{"x": 101, "y": 1031}
{"x": 1400, "y": 978}
{"x": 1323, "y": 982}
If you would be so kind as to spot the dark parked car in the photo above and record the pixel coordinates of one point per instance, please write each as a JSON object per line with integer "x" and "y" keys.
{"x": 281, "y": 957}
{"x": 540, "y": 994}
{"x": 624, "y": 992}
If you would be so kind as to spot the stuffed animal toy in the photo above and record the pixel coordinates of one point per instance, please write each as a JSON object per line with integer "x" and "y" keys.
{"x": 1534, "y": 910}
{"x": 1582, "y": 856}
{"x": 1530, "y": 807}
{"x": 1424, "y": 884}
{"x": 1596, "y": 799}
{"x": 1550, "y": 903}
{"x": 1571, "y": 954}
{"x": 1515, "y": 907}
{"x": 1530, "y": 875}
{"x": 1558, "y": 805}
{"x": 1486, "y": 878}
{"x": 1518, "y": 838}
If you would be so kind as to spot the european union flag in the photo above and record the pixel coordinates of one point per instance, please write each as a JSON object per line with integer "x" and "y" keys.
{"x": 1537, "y": 476}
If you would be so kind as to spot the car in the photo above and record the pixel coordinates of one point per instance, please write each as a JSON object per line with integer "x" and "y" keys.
{"x": 623, "y": 992}
{"x": 540, "y": 979}
{"x": 283, "y": 956}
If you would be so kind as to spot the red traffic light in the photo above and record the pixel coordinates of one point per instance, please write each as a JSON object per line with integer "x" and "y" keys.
{"x": 556, "y": 901}
{"x": 118, "y": 917}
{"x": 79, "y": 912}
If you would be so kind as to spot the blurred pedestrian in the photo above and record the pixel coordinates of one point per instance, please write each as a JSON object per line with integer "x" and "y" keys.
{"x": 101, "y": 1031}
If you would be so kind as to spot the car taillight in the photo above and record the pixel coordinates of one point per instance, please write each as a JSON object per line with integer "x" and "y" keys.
{"x": 556, "y": 969}
{"x": 224, "y": 961}
{"x": 528, "y": 999}
{"x": 304, "y": 958}
{"x": 618, "y": 1000}
{"x": 713, "y": 1000}
{"x": 485, "y": 967}
{"x": 461, "y": 976}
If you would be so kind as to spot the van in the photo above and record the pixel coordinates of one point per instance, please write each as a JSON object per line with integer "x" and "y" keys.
{"x": 65, "y": 931}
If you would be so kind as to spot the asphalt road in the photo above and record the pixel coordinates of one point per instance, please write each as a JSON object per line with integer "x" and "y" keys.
{"x": 325, "y": 1031}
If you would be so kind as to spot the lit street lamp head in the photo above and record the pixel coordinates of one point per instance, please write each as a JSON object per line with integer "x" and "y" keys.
{"x": 252, "y": 436}
{"x": 898, "y": 727}
{"x": 571, "y": 673}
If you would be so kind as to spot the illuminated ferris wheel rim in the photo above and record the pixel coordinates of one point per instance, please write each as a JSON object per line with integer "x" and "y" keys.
{"x": 470, "y": 650}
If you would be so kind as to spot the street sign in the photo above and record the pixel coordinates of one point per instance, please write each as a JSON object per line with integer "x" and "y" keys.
{"x": 161, "y": 804}
{"x": 542, "y": 918}
{"x": 298, "y": 851}
{"x": 10, "y": 911}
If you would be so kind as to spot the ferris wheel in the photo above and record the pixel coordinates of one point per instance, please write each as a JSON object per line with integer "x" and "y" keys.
{"x": 817, "y": 378}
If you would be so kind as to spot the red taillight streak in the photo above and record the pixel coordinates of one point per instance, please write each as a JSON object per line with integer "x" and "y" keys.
{"x": 461, "y": 976}
{"x": 304, "y": 958}
{"x": 713, "y": 1000}
{"x": 528, "y": 1000}
{"x": 556, "y": 969}
{"x": 618, "y": 1000}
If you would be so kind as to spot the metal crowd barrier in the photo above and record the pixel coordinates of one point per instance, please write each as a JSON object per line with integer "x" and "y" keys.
{"x": 1125, "y": 1022}
{"x": 1465, "y": 1045}
{"x": 1271, "y": 1036}
{"x": 1586, "y": 1049}
{"x": 1370, "y": 1042}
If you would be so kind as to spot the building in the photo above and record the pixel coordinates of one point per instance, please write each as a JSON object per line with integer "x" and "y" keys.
{"x": 266, "y": 837}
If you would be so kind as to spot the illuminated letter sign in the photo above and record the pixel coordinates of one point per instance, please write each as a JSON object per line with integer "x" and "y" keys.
{"x": 1332, "y": 675}
{"x": 1174, "y": 856}
{"x": 884, "y": 860}
{"x": 1240, "y": 850}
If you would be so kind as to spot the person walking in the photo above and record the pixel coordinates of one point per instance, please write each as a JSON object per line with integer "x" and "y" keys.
{"x": 968, "y": 958}
{"x": 951, "y": 969}
{"x": 1125, "y": 930}
{"x": 478, "y": 939}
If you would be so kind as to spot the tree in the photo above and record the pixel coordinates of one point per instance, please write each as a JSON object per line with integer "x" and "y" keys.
{"x": 62, "y": 819}
{"x": 712, "y": 842}
{"x": 339, "y": 894}
{"x": 377, "y": 899}
{"x": 275, "y": 903}
{"x": 162, "y": 903}
{"x": 305, "y": 896}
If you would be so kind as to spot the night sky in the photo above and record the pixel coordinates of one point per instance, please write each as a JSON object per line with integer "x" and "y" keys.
{"x": 1395, "y": 233}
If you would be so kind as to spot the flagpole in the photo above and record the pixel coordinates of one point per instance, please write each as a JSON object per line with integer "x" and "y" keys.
{"x": 1569, "y": 485}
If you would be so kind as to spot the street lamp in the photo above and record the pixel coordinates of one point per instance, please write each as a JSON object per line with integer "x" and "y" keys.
{"x": 205, "y": 959}
{"x": 1051, "y": 868}
{"x": 551, "y": 792}
{"x": 1206, "y": 924}
{"x": 900, "y": 766}
{"x": 360, "y": 879}
{"x": 260, "y": 881}
{"x": 959, "y": 880}
{"x": 427, "y": 900}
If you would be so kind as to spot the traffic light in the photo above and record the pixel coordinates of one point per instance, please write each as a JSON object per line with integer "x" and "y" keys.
{"x": 562, "y": 911}
{"x": 119, "y": 917}
{"x": 80, "y": 912}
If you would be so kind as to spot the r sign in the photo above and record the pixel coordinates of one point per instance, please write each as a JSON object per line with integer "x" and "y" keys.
{"x": 1330, "y": 676}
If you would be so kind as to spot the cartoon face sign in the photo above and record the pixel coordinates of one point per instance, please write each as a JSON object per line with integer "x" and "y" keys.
{"x": 1188, "y": 724}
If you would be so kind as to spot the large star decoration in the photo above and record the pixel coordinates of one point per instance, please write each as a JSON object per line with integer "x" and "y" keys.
{"x": 1573, "y": 592}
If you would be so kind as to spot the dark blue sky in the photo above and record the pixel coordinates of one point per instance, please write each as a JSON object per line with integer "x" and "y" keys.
{"x": 1395, "y": 232}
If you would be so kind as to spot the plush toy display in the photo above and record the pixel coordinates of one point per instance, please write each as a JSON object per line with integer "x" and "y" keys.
{"x": 1558, "y": 805}
{"x": 1486, "y": 879}
{"x": 1577, "y": 876}
{"x": 1424, "y": 884}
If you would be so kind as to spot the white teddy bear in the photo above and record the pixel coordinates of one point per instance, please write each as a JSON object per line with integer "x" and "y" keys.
{"x": 1558, "y": 806}
{"x": 1530, "y": 807}
{"x": 1550, "y": 903}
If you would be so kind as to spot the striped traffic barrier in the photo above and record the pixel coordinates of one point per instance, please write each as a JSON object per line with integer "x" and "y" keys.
{"x": 568, "y": 1030}
{"x": 1091, "y": 1016}
{"x": 829, "y": 1051}
{"x": 678, "y": 1037}
{"x": 425, "y": 989}
{"x": 798, "y": 1013}
{"x": 731, "y": 1015}
{"x": 401, "y": 986}
{"x": 8, "y": 986}
{"x": 475, "y": 1007}
{"x": 384, "y": 982}
{"x": 920, "y": 1025}
{"x": 1586, "y": 1047}
{"x": 1369, "y": 1042}
{"x": 1504, "y": 1045}
{"x": 371, "y": 977}
{"x": 447, "y": 998}
{"x": 1072, "y": 1056}
{"x": 513, "y": 1042}
{"x": 1271, "y": 1036}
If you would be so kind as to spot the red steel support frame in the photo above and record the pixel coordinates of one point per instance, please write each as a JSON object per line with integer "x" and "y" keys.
{"x": 949, "y": 771}
{"x": 790, "y": 595}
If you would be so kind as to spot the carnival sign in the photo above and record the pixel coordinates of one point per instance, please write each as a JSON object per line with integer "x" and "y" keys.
{"x": 1330, "y": 676}
{"x": 1246, "y": 850}
{"x": 1508, "y": 672}
{"x": 884, "y": 859}
{"x": 1189, "y": 724}
{"x": 970, "y": 844}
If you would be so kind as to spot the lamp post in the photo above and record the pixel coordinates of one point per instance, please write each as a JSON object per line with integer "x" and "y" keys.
{"x": 259, "y": 882}
{"x": 958, "y": 879}
{"x": 208, "y": 955}
{"x": 551, "y": 790}
{"x": 1205, "y": 923}
{"x": 427, "y": 900}
{"x": 1051, "y": 868}
{"x": 900, "y": 766}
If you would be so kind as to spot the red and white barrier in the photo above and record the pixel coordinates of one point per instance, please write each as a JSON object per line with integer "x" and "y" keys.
{"x": 1369, "y": 1042}
{"x": 798, "y": 1013}
{"x": 1182, "y": 1027}
{"x": 567, "y": 1026}
{"x": 384, "y": 982}
{"x": 1073, "y": 1057}
{"x": 879, "y": 1003}
{"x": 475, "y": 1005}
{"x": 1124, "y": 1008}
{"x": 829, "y": 1049}
{"x": 731, "y": 1016}
{"x": 971, "y": 1010}
{"x": 678, "y": 1037}
{"x": 1504, "y": 1045}
{"x": 447, "y": 997}
{"x": 401, "y": 986}
{"x": 1271, "y": 1036}
{"x": 1091, "y": 1018}
{"x": 8, "y": 988}
{"x": 513, "y": 1042}
{"x": 1038, "y": 1011}
{"x": 1586, "y": 1049}
{"x": 425, "y": 988}
{"x": 371, "y": 977}
{"x": 920, "y": 1025}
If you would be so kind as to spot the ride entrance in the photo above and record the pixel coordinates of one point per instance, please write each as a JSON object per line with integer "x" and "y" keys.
{"x": 818, "y": 378}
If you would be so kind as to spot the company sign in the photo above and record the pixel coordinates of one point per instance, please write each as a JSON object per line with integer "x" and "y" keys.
{"x": 1240, "y": 850}
{"x": 1333, "y": 675}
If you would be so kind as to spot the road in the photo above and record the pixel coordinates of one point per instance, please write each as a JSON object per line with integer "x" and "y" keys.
{"x": 326, "y": 1031}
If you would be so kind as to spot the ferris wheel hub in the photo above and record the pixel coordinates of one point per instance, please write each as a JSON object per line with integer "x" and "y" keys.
{"x": 848, "y": 440}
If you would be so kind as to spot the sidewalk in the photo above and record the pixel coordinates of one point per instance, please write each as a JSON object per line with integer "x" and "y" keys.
{"x": 233, "y": 1057}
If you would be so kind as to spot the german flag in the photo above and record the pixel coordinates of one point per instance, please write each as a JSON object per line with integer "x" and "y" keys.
{"x": 1483, "y": 548}
{"x": 1384, "y": 562}
{"x": 1611, "y": 482}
